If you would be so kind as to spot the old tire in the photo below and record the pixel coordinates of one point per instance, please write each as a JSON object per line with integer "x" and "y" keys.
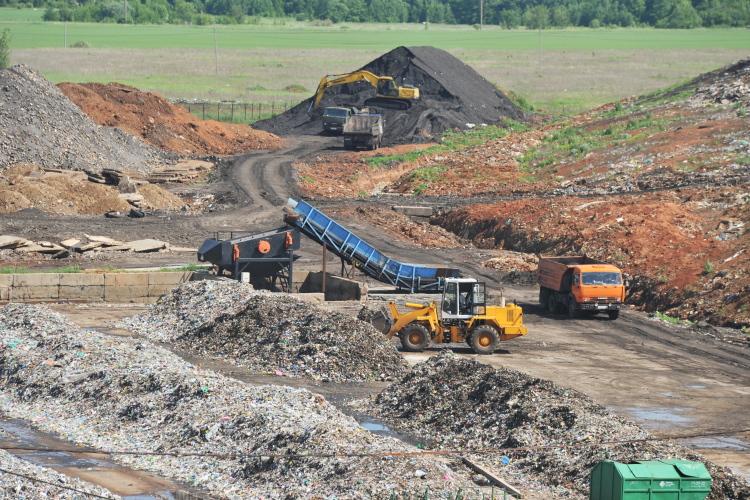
{"x": 573, "y": 311}
{"x": 613, "y": 314}
{"x": 484, "y": 339}
{"x": 414, "y": 337}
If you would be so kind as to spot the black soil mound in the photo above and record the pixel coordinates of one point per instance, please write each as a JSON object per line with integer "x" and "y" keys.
{"x": 453, "y": 95}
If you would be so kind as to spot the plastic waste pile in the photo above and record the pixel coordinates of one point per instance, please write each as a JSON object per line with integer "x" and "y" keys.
{"x": 123, "y": 394}
{"x": 268, "y": 333}
{"x": 542, "y": 433}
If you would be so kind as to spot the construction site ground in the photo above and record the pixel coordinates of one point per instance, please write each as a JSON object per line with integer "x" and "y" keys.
{"x": 658, "y": 186}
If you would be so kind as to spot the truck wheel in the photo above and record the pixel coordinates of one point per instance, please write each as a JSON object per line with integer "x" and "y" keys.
{"x": 414, "y": 337}
{"x": 613, "y": 314}
{"x": 484, "y": 339}
{"x": 573, "y": 311}
{"x": 552, "y": 303}
{"x": 543, "y": 296}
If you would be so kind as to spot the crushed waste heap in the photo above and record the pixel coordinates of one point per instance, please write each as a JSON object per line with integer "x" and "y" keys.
{"x": 545, "y": 435}
{"x": 127, "y": 394}
{"x": 268, "y": 333}
{"x": 43, "y": 127}
{"x": 452, "y": 95}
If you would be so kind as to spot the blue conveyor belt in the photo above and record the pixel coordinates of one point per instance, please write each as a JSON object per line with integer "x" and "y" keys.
{"x": 345, "y": 244}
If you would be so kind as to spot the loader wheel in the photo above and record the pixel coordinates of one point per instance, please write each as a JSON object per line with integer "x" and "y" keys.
{"x": 414, "y": 337}
{"x": 484, "y": 339}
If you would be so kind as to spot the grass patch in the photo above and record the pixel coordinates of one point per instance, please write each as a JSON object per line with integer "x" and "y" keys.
{"x": 452, "y": 141}
{"x": 189, "y": 267}
{"x": 668, "y": 319}
{"x": 73, "y": 268}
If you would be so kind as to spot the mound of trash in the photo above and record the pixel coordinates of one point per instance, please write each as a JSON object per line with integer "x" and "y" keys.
{"x": 269, "y": 333}
{"x": 452, "y": 95}
{"x": 133, "y": 397}
{"x": 162, "y": 124}
{"x": 544, "y": 436}
{"x": 43, "y": 127}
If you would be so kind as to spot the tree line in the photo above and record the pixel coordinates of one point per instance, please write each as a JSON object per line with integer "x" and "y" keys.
{"x": 533, "y": 14}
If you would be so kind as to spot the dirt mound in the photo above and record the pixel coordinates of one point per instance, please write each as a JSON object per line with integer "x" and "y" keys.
{"x": 42, "y": 126}
{"x": 29, "y": 186}
{"x": 548, "y": 433}
{"x": 452, "y": 96}
{"x": 162, "y": 124}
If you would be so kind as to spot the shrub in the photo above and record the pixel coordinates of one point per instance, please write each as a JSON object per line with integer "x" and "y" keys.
{"x": 80, "y": 45}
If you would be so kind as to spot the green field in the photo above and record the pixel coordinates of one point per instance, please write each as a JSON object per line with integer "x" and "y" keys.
{"x": 569, "y": 71}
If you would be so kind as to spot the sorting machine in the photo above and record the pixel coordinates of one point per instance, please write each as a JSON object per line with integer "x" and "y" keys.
{"x": 267, "y": 256}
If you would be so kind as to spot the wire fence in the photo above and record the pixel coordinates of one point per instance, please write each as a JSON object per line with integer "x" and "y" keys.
{"x": 236, "y": 112}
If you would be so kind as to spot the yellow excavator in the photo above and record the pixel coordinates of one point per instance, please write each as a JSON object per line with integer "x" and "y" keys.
{"x": 388, "y": 94}
{"x": 463, "y": 316}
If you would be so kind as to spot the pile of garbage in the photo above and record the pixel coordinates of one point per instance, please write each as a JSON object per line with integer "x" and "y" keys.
{"x": 545, "y": 437}
{"x": 121, "y": 394}
{"x": 268, "y": 333}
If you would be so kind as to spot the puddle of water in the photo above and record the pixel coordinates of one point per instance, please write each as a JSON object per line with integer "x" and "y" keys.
{"x": 720, "y": 443}
{"x": 660, "y": 417}
{"x": 670, "y": 395}
{"x": 375, "y": 428}
{"x": 696, "y": 387}
{"x": 23, "y": 435}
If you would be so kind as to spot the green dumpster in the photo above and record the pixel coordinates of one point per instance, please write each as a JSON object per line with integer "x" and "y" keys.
{"x": 650, "y": 480}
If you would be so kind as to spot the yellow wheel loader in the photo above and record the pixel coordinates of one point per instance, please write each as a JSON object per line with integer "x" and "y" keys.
{"x": 463, "y": 316}
{"x": 387, "y": 93}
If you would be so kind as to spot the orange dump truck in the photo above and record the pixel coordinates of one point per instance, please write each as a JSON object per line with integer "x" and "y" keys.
{"x": 580, "y": 285}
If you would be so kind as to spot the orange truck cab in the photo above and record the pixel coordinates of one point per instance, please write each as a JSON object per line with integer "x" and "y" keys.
{"x": 580, "y": 284}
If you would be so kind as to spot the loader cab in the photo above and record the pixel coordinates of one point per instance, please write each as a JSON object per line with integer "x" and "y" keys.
{"x": 462, "y": 300}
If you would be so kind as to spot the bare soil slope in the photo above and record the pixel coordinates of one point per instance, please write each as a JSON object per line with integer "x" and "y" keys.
{"x": 162, "y": 124}
{"x": 452, "y": 95}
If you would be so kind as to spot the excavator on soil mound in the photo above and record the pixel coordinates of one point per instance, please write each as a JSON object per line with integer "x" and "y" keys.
{"x": 388, "y": 94}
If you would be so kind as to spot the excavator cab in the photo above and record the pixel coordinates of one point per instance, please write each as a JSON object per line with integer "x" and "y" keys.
{"x": 387, "y": 87}
{"x": 462, "y": 300}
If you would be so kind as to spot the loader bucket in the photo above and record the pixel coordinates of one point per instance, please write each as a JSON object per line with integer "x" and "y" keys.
{"x": 381, "y": 321}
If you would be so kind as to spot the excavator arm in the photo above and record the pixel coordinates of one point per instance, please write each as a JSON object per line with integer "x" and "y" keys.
{"x": 340, "y": 79}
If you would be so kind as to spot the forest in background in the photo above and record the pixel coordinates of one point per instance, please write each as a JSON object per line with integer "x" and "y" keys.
{"x": 533, "y": 14}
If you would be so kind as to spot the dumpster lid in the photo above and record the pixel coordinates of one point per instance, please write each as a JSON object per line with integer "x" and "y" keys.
{"x": 666, "y": 468}
{"x": 689, "y": 469}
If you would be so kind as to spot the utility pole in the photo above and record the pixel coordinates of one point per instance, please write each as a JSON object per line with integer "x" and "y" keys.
{"x": 216, "y": 51}
{"x": 481, "y": 14}
{"x": 65, "y": 35}
{"x": 540, "y": 48}
{"x": 126, "y": 11}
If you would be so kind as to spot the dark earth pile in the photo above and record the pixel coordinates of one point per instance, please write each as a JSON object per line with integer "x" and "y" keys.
{"x": 41, "y": 126}
{"x": 269, "y": 332}
{"x": 458, "y": 403}
{"x": 130, "y": 395}
{"x": 452, "y": 96}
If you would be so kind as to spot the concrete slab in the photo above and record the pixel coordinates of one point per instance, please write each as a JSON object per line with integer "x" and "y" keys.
{"x": 7, "y": 241}
{"x": 413, "y": 211}
{"x": 70, "y": 242}
{"x": 147, "y": 245}
{"x": 81, "y": 279}
{"x": 108, "y": 242}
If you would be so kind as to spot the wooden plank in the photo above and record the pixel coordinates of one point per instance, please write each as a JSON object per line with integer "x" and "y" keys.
{"x": 492, "y": 476}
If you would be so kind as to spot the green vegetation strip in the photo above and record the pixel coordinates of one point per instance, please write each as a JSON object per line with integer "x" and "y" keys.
{"x": 364, "y": 36}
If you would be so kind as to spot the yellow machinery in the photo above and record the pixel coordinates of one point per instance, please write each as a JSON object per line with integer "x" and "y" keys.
{"x": 388, "y": 94}
{"x": 465, "y": 317}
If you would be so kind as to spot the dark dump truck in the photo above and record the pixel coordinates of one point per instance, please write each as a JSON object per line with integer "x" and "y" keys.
{"x": 363, "y": 131}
